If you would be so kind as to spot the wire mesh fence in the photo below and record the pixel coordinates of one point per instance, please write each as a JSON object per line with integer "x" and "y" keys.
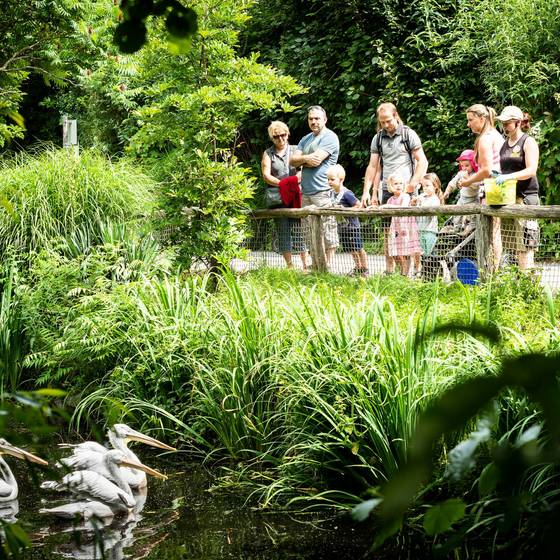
{"x": 466, "y": 243}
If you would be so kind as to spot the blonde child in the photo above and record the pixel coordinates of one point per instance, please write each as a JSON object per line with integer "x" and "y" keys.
{"x": 403, "y": 233}
{"x": 428, "y": 225}
{"x": 349, "y": 231}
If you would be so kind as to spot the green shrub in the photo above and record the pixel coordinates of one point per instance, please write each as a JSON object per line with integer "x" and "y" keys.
{"x": 51, "y": 195}
{"x": 312, "y": 383}
{"x": 13, "y": 343}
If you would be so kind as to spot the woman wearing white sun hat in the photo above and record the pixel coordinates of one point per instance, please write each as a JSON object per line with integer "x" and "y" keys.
{"x": 519, "y": 160}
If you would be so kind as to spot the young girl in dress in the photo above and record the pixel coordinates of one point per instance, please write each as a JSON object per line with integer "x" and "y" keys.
{"x": 428, "y": 225}
{"x": 403, "y": 233}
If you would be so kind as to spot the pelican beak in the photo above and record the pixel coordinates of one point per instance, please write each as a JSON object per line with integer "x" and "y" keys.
{"x": 142, "y": 467}
{"x": 133, "y": 435}
{"x": 10, "y": 449}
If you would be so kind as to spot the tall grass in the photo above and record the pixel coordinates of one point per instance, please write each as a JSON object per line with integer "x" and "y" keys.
{"x": 52, "y": 194}
{"x": 313, "y": 384}
{"x": 13, "y": 344}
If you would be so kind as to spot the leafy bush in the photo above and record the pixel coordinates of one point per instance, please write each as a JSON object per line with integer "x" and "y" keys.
{"x": 53, "y": 194}
{"x": 319, "y": 382}
{"x": 76, "y": 299}
{"x": 13, "y": 342}
{"x": 432, "y": 58}
{"x": 314, "y": 385}
{"x": 517, "y": 488}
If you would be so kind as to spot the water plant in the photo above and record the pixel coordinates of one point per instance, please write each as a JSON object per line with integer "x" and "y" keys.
{"x": 13, "y": 343}
{"x": 53, "y": 193}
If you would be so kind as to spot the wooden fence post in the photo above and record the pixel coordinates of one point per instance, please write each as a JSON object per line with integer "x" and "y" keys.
{"x": 483, "y": 240}
{"x": 317, "y": 245}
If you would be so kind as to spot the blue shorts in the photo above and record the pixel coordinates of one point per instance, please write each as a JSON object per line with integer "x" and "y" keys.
{"x": 290, "y": 235}
{"x": 350, "y": 238}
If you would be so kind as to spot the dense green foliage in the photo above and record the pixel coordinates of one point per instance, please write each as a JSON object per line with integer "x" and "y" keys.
{"x": 313, "y": 388}
{"x": 432, "y": 58}
{"x": 189, "y": 124}
{"x": 32, "y": 32}
{"x": 56, "y": 195}
{"x": 308, "y": 389}
{"x": 199, "y": 117}
{"x": 181, "y": 115}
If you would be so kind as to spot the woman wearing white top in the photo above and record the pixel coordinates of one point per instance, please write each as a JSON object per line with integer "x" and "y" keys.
{"x": 480, "y": 119}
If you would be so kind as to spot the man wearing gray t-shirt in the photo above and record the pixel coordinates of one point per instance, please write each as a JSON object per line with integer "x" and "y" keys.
{"x": 316, "y": 152}
{"x": 401, "y": 153}
{"x": 395, "y": 149}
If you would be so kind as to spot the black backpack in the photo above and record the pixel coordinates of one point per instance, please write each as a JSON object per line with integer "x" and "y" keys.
{"x": 405, "y": 140}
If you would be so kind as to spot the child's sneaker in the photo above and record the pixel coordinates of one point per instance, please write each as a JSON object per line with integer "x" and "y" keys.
{"x": 361, "y": 272}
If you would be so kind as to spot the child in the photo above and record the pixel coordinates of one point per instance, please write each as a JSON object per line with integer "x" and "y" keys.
{"x": 467, "y": 166}
{"x": 428, "y": 225}
{"x": 403, "y": 233}
{"x": 468, "y": 195}
{"x": 348, "y": 230}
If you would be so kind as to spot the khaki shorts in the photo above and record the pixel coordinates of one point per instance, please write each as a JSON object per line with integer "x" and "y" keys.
{"x": 520, "y": 235}
{"x": 330, "y": 231}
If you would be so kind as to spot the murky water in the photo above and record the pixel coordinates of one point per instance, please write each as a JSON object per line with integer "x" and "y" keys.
{"x": 181, "y": 519}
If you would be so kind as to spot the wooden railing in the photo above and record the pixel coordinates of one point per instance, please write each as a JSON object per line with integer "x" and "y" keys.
{"x": 484, "y": 222}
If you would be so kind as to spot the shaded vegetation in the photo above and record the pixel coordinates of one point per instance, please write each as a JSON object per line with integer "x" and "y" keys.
{"x": 306, "y": 390}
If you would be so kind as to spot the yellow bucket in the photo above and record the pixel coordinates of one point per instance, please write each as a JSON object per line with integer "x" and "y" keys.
{"x": 500, "y": 194}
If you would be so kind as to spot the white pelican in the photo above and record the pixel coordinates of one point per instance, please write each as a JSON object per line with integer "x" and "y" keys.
{"x": 86, "y": 510}
{"x": 8, "y": 483}
{"x": 92, "y": 510}
{"x": 89, "y": 455}
{"x": 92, "y": 486}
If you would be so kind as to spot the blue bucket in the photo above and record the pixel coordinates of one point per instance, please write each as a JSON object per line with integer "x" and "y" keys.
{"x": 467, "y": 272}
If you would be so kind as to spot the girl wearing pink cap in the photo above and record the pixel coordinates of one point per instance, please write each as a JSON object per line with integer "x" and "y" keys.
{"x": 467, "y": 195}
{"x": 467, "y": 166}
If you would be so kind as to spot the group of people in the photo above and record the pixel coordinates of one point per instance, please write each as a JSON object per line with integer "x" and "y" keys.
{"x": 397, "y": 175}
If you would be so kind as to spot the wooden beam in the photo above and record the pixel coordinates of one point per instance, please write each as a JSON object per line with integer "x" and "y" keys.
{"x": 510, "y": 211}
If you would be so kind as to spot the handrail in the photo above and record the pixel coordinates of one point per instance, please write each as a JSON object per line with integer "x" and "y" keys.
{"x": 509, "y": 211}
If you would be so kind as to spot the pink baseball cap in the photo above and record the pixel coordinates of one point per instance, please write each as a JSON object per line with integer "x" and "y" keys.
{"x": 469, "y": 155}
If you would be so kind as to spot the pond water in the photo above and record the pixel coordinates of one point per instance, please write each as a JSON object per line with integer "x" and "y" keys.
{"x": 181, "y": 519}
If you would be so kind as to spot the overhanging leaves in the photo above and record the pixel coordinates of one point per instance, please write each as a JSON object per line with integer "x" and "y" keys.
{"x": 131, "y": 34}
{"x": 441, "y": 517}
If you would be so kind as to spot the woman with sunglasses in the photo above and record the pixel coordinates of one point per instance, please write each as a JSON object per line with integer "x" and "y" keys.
{"x": 275, "y": 166}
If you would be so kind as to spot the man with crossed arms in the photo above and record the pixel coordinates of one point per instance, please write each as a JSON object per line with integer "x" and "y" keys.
{"x": 316, "y": 152}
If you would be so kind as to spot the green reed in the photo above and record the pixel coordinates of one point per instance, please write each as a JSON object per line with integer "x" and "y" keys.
{"x": 54, "y": 192}
{"x": 312, "y": 386}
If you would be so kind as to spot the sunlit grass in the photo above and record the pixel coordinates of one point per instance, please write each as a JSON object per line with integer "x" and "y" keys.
{"x": 302, "y": 386}
{"x": 50, "y": 195}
